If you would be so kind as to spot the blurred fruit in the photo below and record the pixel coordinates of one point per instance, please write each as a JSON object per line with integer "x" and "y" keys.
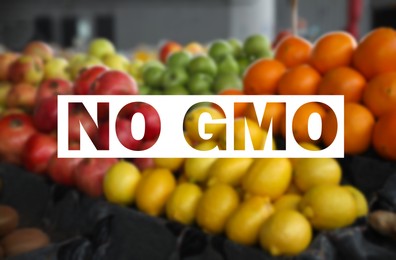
{"x": 79, "y": 63}
{"x": 376, "y": 53}
{"x": 268, "y": 177}
{"x": 329, "y": 207}
{"x": 244, "y": 224}
{"x": 57, "y": 68}
{"x": 39, "y": 49}
{"x": 192, "y": 119}
{"x": 236, "y": 46}
{"x": 300, "y": 80}
{"x": 228, "y": 65}
{"x": 343, "y": 81}
{"x": 60, "y": 170}
{"x": 311, "y": 172}
{"x": 215, "y": 207}
{"x": 53, "y": 87}
{"x": 120, "y": 183}
{"x": 174, "y": 77}
{"x": 224, "y": 81}
{"x": 308, "y": 146}
{"x": 199, "y": 83}
{"x": 175, "y": 90}
{"x": 153, "y": 190}
{"x": 99, "y": 47}
{"x": 173, "y": 164}
{"x": 384, "y": 135}
{"x": 22, "y": 95}
{"x": 197, "y": 169}
{"x": 293, "y": 51}
{"x": 332, "y": 50}
{"x": 45, "y": 115}
{"x": 285, "y": 232}
{"x": 228, "y": 171}
{"x": 360, "y": 199}
{"x": 257, "y": 46}
{"x": 83, "y": 82}
{"x": 292, "y": 189}
{"x": 280, "y": 37}
{"x": 358, "y": 128}
{"x": 219, "y": 49}
{"x": 202, "y": 64}
{"x": 262, "y": 77}
{"x": 194, "y": 48}
{"x": 116, "y": 61}
{"x": 182, "y": 204}
{"x": 178, "y": 59}
{"x": 301, "y": 119}
{"x": 380, "y": 93}
{"x": 166, "y": 48}
{"x": 6, "y": 59}
{"x": 28, "y": 69}
{"x": 287, "y": 201}
{"x": 274, "y": 113}
{"x": 153, "y": 76}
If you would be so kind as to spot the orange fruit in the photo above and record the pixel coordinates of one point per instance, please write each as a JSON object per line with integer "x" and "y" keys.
{"x": 332, "y": 50}
{"x": 239, "y": 108}
{"x": 384, "y": 135}
{"x": 358, "y": 128}
{"x": 261, "y": 77}
{"x": 293, "y": 51}
{"x": 343, "y": 81}
{"x": 376, "y": 52}
{"x": 273, "y": 112}
{"x": 300, "y": 121}
{"x": 380, "y": 94}
{"x": 301, "y": 80}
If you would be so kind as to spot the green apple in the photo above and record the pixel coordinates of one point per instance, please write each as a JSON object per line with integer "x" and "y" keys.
{"x": 116, "y": 61}
{"x": 243, "y": 63}
{"x": 257, "y": 46}
{"x": 218, "y": 49}
{"x": 202, "y": 64}
{"x": 178, "y": 59}
{"x": 199, "y": 83}
{"x": 152, "y": 77}
{"x": 226, "y": 81}
{"x": 144, "y": 90}
{"x": 228, "y": 64}
{"x": 57, "y": 68}
{"x": 149, "y": 64}
{"x": 174, "y": 77}
{"x": 178, "y": 90}
{"x": 236, "y": 45}
{"x": 99, "y": 47}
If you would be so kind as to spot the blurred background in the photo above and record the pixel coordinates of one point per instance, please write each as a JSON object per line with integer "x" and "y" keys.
{"x": 129, "y": 23}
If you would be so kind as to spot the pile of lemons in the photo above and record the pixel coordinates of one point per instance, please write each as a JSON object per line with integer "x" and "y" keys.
{"x": 272, "y": 202}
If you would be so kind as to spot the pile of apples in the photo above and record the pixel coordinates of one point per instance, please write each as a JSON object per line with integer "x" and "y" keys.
{"x": 202, "y": 70}
{"x": 30, "y": 83}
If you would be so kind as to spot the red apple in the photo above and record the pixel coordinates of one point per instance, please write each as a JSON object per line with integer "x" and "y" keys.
{"x": 60, "y": 170}
{"x": 22, "y": 95}
{"x": 152, "y": 119}
{"x": 39, "y": 49}
{"x": 89, "y": 174}
{"x": 53, "y": 87}
{"x": 16, "y": 129}
{"x": 113, "y": 82}
{"x": 37, "y": 152}
{"x": 29, "y": 69}
{"x": 6, "y": 59}
{"x": 167, "y": 48}
{"x": 45, "y": 115}
{"x": 81, "y": 117}
{"x": 85, "y": 79}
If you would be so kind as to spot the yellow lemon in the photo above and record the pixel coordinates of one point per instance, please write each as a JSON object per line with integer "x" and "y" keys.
{"x": 328, "y": 207}
{"x": 287, "y": 201}
{"x": 191, "y": 123}
{"x": 307, "y": 146}
{"x": 183, "y": 202}
{"x": 286, "y": 232}
{"x": 120, "y": 183}
{"x": 228, "y": 170}
{"x": 292, "y": 189}
{"x": 258, "y": 136}
{"x": 197, "y": 169}
{"x": 244, "y": 224}
{"x": 153, "y": 190}
{"x": 173, "y": 164}
{"x": 310, "y": 172}
{"x": 268, "y": 177}
{"x": 361, "y": 202}
{"x": 215, "y": 207}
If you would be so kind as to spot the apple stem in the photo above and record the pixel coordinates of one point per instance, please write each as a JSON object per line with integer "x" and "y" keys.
{"x": 294, "y": 16}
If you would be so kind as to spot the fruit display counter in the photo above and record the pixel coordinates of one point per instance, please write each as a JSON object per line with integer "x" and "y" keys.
{"x": 201, "y": 208}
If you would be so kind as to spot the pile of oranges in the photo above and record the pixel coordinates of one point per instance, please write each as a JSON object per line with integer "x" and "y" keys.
{"x": 364, "y": 72}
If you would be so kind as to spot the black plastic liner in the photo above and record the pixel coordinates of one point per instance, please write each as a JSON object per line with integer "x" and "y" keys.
{"x": 83, "y": 228}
